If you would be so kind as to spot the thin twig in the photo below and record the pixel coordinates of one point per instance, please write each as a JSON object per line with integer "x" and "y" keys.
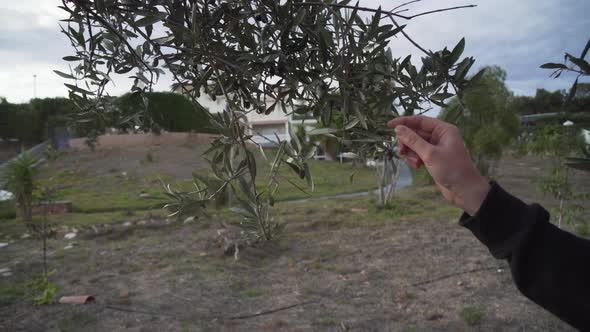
{"x": 404, "y": 4}
{"x": 386, "y": 13}
{"x": 272, "y": 311}
{"x": 450, "y": 275}
{"x": 440, "y": 10}
{"x": 138, "y": 311}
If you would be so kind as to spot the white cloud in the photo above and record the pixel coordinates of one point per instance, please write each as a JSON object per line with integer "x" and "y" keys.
{"x": 517, "y": 35}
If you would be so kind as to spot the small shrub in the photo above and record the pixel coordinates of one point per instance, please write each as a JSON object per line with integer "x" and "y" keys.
{"x": 42, "y": 291}
{"x": 472, "y": 315}
{"x": 19, "y": 178}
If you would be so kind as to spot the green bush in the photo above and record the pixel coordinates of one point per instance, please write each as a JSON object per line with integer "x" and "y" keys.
{"x": 166, "y": 110}
{"x": 19, "y": 179}
{"x": 31, "y": 122}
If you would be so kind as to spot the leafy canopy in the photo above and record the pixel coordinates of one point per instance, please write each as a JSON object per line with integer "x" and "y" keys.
{"x": 314, "y": 58}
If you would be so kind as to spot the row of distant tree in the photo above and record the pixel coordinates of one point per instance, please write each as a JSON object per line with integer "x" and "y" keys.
{"x": 32, "y": 122}
{"x": 489, "y": 121}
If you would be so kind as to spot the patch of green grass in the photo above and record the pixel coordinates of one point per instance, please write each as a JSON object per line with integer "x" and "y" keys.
{"x": 472, "y": 314}
{"x": 251, "y": 292}
{"x": 114, "y": 192}
{"x": 330, "y": 178}
{"x": 326, "y": 320}
{"x": 398, "y": 207}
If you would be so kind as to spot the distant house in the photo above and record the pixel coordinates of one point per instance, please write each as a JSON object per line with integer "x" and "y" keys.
{"x": 264, "y": 128}
{"x": 531, "y": 119}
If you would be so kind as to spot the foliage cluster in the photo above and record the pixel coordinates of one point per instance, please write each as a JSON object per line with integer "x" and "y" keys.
{"x": 553, "y": 102}
{"x": 578, "y": 94}
{"x": 18, "y": 177}
{"x": 487, "y": 123}
{"x": 31, "y": 122}
{"x": 316, "y": 58}
{"x": 563, "y": 142}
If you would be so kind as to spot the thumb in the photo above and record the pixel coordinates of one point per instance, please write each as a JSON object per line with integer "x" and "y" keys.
{"x": 408, "y": 137}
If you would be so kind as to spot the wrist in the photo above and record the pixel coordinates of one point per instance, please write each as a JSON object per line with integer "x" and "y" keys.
{"x": 474, "y": 194}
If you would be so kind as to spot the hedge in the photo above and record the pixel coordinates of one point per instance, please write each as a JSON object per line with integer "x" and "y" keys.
{"x": 169, "y": 111}
{"x": 30, "y": 122}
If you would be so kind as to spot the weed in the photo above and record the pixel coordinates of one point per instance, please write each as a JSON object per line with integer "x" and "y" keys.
{"x": 251, "y": 292}
{"x": 327, "y": 321}
{"x": 42, "y": 290}
{"x": 472, "y": 315}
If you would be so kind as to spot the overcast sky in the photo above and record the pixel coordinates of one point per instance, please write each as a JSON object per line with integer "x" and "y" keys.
{"x": 518, "y": 35}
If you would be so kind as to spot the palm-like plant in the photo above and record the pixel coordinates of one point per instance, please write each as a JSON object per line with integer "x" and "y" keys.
{"x": 19, "y": 179}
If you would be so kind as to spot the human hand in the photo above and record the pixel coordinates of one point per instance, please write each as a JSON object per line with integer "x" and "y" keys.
{"x": 439, "y": 147}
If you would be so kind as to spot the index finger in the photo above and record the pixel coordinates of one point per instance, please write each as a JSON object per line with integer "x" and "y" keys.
{"x": 416, "y": 122}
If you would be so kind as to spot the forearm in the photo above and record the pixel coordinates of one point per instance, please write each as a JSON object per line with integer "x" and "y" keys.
{"x": 549, "y": 266}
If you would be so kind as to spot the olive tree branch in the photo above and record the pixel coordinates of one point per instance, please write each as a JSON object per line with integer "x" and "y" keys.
{"x": 386, "y": 13}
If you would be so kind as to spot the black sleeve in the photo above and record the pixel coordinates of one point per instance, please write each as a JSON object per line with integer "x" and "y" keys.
{"x": 549, "y": 266}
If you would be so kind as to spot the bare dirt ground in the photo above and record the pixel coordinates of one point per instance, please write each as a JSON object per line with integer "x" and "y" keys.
{"x": 343, "y": 265}
{"x": 177, "y": 161}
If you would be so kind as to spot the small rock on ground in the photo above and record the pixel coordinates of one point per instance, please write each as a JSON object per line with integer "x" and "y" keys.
{"x": 70, "y": 236}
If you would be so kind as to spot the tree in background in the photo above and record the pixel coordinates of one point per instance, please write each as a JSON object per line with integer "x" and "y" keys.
{"x": 556, "y": 143}
{"x": 487, "y": 124}
{"x": 560, "y": 140}
{"x": 166, "y": 110}
{"x": 32, "y": 122}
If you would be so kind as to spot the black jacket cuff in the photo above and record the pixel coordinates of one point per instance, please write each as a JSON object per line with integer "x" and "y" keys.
{"x": 503, "y": 221}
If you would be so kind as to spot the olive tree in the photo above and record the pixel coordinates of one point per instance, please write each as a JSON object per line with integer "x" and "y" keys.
{"x": 317, "y": 58}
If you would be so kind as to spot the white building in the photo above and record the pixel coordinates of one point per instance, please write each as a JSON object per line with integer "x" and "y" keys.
{"x": 264, "y": 128}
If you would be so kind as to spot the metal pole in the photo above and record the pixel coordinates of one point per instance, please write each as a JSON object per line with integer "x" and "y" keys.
{"x": 34, "y": 86}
